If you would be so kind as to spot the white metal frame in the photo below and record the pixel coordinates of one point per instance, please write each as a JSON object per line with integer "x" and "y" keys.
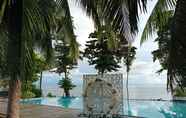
{"x": 116, "y": 80}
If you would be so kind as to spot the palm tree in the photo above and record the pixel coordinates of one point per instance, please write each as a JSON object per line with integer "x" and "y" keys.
{"x": 177, "y": 59}
{"x": 163, "y": 40}
{"x": 158, "y": 18}
{"x": 64, "y": 64}
{"x": 41, "y": 65}
{"x": 23, "y": 21}
{"x": 122, "y": 15}
{"x": 128, "y": 59}
{"x": 14, "y": 24}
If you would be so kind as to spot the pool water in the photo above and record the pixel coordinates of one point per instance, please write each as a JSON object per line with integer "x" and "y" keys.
{"x": 147, "y": 109}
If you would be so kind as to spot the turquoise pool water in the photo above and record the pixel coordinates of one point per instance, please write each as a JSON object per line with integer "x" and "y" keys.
{"x": 148, "y": 109}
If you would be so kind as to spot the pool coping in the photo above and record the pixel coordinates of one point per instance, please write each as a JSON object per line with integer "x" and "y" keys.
{"x": 171, "y": 100}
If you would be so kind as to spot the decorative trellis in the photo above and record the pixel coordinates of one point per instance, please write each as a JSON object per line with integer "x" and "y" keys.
{"x": 101, "y": 85}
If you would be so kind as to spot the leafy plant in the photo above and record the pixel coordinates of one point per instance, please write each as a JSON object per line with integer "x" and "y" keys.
{"x": 4, "y": 83}
{"x": 50, "y": 95}
{"x": 67, "y": 85}
{"x": 28, "y": 86}
{"x": 64, "y": 64}
{"x": 179, "y": 92}
{"x": 105, "y": 50}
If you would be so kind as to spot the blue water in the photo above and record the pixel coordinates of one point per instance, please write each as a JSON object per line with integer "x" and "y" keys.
{"x": 148, "y": 109}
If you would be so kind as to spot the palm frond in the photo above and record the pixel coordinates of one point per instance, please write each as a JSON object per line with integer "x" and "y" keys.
{"x": 133, "y": 7}
{"x": 3, "y": 5}
{"x": 37, "y": 19}
{"x": 3, "y": 50}
{"x": 158, "y": 18}
{"x": 121, "y": 14}
{"x": 90, "y": 7}
{"x": 66, "y": 27}
{"x": 177, "y": 58}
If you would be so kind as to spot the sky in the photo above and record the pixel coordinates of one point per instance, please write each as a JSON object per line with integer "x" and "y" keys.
{"x": 143, "y": 70}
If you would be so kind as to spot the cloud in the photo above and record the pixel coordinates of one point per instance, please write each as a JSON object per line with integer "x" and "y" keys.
{"x": 143, "y": 69}
{"x": 83, "y": 24}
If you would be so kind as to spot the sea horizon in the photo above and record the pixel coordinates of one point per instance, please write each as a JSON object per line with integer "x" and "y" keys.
{"x": 137, "y": 90}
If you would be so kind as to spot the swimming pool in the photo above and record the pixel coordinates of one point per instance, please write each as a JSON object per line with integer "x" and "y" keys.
{"x": 148, "y": 109}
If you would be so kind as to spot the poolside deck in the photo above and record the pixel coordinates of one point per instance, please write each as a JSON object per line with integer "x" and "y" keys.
{"x": 43, "y": 111}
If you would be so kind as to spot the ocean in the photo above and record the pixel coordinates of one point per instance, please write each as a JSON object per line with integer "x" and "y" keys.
{"x": 137, "y": 90}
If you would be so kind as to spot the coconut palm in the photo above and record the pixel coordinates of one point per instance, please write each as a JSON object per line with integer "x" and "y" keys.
{"x": 177, "y": 59}
{"x": 163, "y": 40}
{"x": 23, "y": 22}
{"x": 64, "y": 64}
{"x": 18, "y": 21}
{"x": 122, "y": 15}
{"x": 128, "y": 59}
{"x": 25, "y": 19}
{"x": 158, "y": 18}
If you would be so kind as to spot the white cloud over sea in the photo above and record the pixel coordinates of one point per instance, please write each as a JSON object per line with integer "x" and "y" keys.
{"x": 143, "y": 70}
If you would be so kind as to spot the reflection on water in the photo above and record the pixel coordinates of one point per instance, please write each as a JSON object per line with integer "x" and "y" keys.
{"x": 176, "y": 110}
{"x": 147, "y": 109}
{"x": 156, "y": 109}
{"x": 64, "y": 102}
{"x": 34, "y": 101}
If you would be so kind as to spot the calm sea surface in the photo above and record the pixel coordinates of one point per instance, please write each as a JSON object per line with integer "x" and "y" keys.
{"x": 136, "y": 90}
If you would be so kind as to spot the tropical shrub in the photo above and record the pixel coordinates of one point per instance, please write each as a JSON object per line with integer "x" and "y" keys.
{"x": 50, "y": 95}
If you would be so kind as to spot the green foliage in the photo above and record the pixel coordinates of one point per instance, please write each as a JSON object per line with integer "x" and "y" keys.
{"x": 66, "y": 84}
{"x": 64, "y": 28}
{"x": 29, "y": 90}
{"x": 100, "y": 54}
{"x": 163, "y": 40}
{"x": 129, "y": 57}
{"x": 28, "y": 87}
{"x": 164, "y": 55}
{"x": 36, "y": 91}
{"x": 3, "y": 51}
{"x": 39, "y": 18}
{"x": 158, "y": 18}
{"x": 50, "y": 95}
{"x": 64, "y": 62}
{"x": 27, "y": 94}
{"x": 40, "y": 63}
{"x": 180, "y": 92}
{"x": 4, "y": 83}
{"x": 177, "y": 58}
{"x": 122, "y": 15}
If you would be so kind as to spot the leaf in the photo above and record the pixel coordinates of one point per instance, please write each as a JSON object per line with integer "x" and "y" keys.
{"x": 158, "y": 18}
{"x": 2, "y": 10}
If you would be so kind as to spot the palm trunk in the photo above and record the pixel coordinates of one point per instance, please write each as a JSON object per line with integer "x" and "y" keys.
{"x": 14, "y": 56}
{"x": 128, "y": 68}
{"x": 41, "y": 78}
{"x": 13, "y": 98}
{"x": 67, "y": 93}
{"x": 66, "y": 77}
{"x": 127, "y": 82}
{"x": 127, "y": 85}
